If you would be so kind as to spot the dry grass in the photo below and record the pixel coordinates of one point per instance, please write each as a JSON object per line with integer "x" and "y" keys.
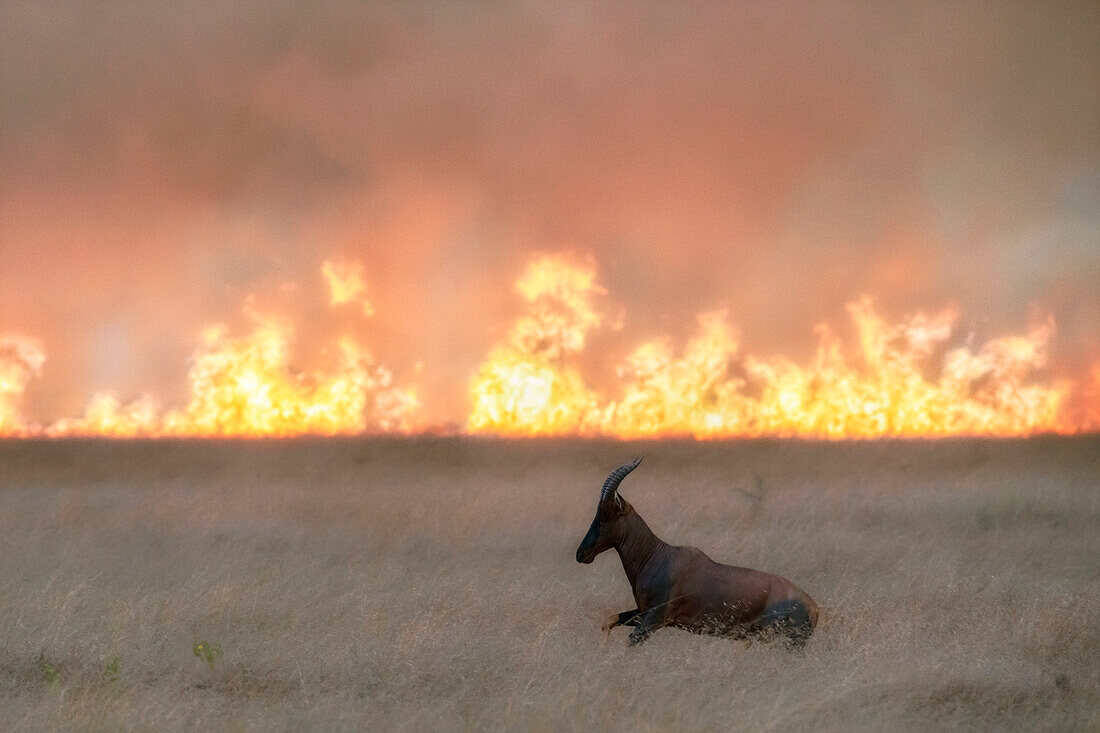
{"x": 430, "y": 584}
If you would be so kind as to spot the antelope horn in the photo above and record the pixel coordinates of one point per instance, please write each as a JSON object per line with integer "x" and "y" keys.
{"x": 611, "y": 485}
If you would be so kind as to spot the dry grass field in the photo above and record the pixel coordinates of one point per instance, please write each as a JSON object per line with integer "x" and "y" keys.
{"x": 429, "y": 583}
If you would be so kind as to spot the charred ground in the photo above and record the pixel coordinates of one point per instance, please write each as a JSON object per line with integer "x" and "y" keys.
{"x": 430, "y": 582}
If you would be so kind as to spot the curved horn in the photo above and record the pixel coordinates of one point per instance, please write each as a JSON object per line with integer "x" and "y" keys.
{"x": 611, "y": 485}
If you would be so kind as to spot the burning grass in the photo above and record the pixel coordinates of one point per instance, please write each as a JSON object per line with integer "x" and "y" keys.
{"x": 529, "y": 385}
{"x": 429, "y": 583}
{"x": 913, "y": 378}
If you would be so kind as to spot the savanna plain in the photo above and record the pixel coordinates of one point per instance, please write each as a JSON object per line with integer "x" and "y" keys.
{"x": 430, "y": 583}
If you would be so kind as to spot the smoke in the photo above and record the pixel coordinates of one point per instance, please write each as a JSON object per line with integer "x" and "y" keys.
{"x": 159, "y": 163}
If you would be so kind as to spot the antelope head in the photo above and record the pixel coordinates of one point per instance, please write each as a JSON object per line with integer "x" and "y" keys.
{"x": 608, "y": 527}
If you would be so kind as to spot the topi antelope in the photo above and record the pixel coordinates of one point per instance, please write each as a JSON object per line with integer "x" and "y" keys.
{"x": 682, "y": 587}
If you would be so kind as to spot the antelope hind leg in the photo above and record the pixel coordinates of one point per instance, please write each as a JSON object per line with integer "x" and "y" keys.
{"x": 788, "y": 621}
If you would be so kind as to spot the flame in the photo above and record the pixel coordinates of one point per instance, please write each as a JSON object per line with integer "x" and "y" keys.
{"x": 528, "y": 387}
{"x": 1089, "y": 406}
{"x": 346, "y": 284}
{"x": 106, "y": 416}
{"x": 523, "y": 388}
{"x": 916, "y": 377}
{"x": 244, "y": 387}
{"x": 21, "y": 360}
{"x": 239, "y": 387}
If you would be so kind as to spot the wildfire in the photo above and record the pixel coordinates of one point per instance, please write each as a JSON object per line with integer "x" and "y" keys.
{"x": 524, "y": 388}
{"x": 239, "y": 387}
{"x": 911, "y": 378}
{"x": 20, "y": 361}
{"x": 528, "y": 387}
{"x": 244, "y": 387}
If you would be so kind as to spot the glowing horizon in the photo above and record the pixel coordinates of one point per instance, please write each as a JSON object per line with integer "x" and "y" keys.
{"x": 530, "y": 384}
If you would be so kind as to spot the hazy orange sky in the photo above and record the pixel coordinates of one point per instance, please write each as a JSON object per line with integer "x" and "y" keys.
{"x": 158, "y": 162}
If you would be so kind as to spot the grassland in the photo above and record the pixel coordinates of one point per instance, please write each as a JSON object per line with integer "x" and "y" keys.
{"x": 416, "y": 584}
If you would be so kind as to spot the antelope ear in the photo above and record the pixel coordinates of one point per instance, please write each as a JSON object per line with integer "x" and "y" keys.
{"x": 614, "y": 506}
{"x": 610, "y": 507}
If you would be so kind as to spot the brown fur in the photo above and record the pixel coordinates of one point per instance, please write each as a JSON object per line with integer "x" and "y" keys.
{"x": 682, "y": 587}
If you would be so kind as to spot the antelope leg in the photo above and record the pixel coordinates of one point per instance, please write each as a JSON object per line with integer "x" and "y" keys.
{"x": 626, "y": 618}
{"x": 647, "y": 623}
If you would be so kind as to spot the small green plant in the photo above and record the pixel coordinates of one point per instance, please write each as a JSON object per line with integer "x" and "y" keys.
{"x": 49, "y": 672}
{"x": 112, "y": 668}
{"x": 207, "y": 652}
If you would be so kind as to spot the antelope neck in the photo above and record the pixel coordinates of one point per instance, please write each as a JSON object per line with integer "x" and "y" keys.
{"x": 637, "y": 545}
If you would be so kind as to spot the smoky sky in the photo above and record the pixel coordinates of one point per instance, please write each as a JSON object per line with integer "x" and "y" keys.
{"x": 161, "y": 161}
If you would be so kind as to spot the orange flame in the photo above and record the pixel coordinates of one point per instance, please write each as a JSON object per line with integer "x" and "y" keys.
{"x": 903, "y": 379}
{"x": 527, "y": 387}
{"x": 523, "y": 388}
{"x": 239, "y": 387}
{"x": 346, "y": 284}
{"x": 243, "y": 387}
{"x": 21, "y": 360}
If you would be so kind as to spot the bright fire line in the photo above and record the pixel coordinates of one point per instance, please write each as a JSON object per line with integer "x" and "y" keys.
{"x": 529, "y": 384}
{"x": 898, "y": 379}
